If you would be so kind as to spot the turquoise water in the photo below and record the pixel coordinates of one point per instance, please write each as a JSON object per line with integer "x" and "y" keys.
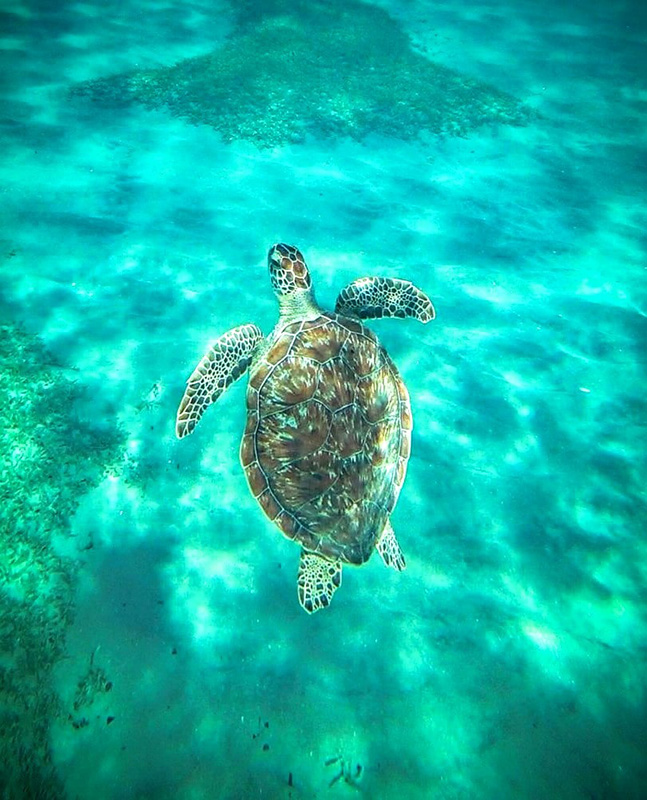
{"x": 151, "y": 640}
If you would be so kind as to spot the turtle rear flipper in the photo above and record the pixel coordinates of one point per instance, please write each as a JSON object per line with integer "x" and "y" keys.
{"x": 225, "y": 361}
{"x": 389, "y": 549}
{"x": 372, "y": 298}
{"x": 318, "y": 579}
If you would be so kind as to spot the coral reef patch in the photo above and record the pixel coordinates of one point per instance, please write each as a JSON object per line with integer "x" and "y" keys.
{"x": 328, "y": 70}
{"x": 49, "y": 458}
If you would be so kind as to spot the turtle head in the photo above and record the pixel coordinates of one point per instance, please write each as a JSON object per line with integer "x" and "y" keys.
{"x": 288, "y": 270}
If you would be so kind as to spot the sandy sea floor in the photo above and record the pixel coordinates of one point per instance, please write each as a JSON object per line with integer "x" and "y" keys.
{"x": 509, "y": 659}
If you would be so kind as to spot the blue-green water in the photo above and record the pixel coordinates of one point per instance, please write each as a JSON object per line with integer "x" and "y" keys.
{"x": 151, "y": 640}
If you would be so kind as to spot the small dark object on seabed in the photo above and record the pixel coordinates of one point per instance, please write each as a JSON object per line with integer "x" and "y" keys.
{"x": 290, "y": 781}
{"x": 109, "y": 720}
{"x": 256, "y": 735}
{"x": 79, "y": 723}
{"x": 346, "y": 772}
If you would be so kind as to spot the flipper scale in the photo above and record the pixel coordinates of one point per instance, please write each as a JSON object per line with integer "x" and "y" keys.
{"x": 372, "y": 298}
{"x": 224, "y": 362}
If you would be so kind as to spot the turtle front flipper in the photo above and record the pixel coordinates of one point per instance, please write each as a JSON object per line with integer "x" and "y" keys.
{"x": 372, "y": 298}
{"x": 387, "y": 546}
{"x": 317, "y": 581}
{"x": 225, "y": 361}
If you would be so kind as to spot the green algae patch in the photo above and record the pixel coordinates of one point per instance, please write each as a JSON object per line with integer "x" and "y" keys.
{"x": 49, "y": 458}
{"x": 292, "y": 70}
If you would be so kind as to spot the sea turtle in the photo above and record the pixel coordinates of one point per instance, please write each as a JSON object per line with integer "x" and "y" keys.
{"x": 328, "y": 431}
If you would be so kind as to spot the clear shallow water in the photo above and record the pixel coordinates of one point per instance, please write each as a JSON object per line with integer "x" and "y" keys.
{"x": 509, "y": 659}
